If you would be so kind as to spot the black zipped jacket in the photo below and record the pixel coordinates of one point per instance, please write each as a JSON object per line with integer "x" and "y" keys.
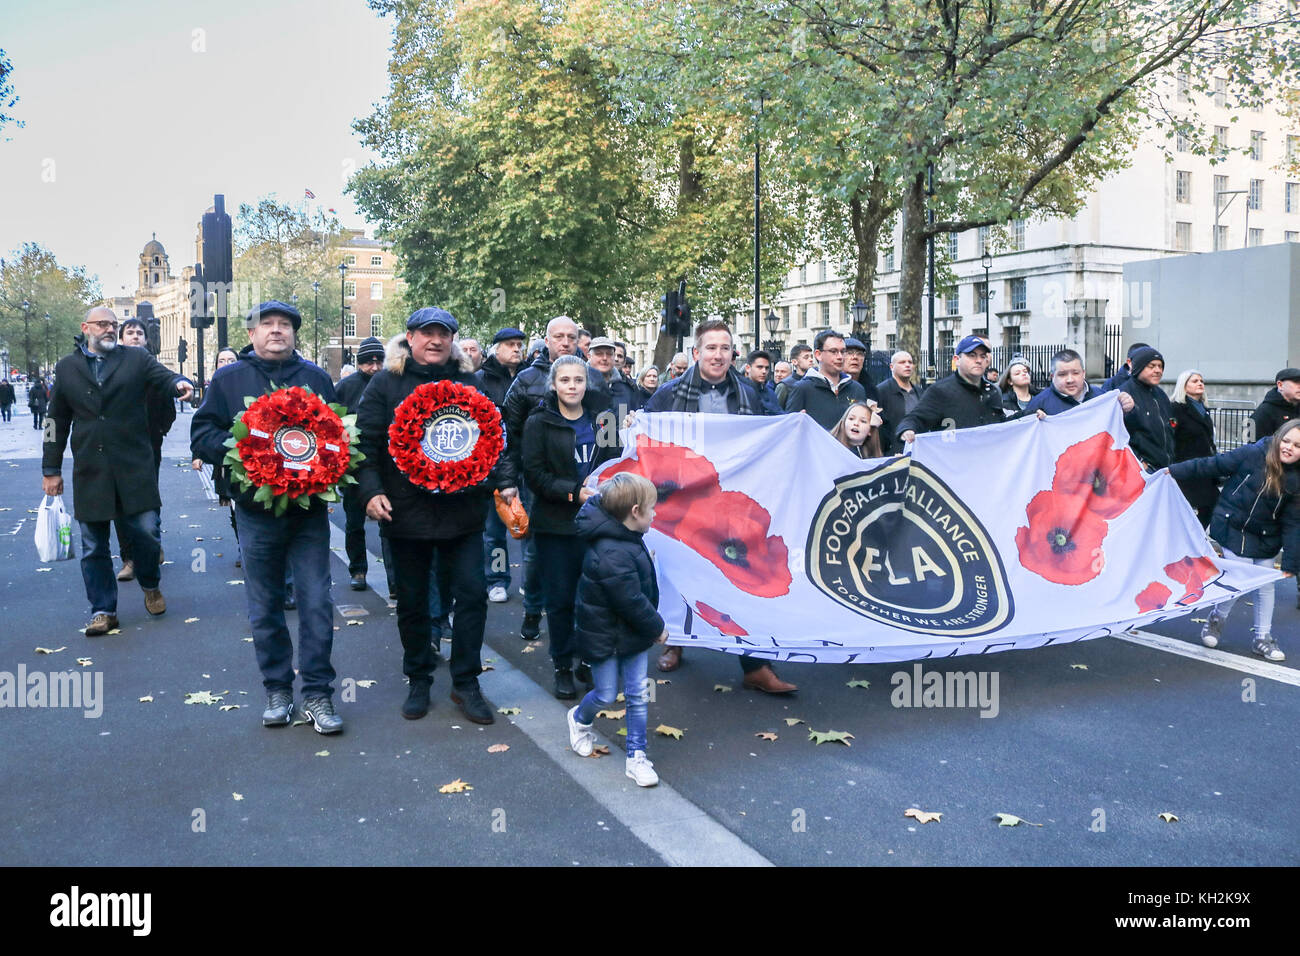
{"x": 616, "y": 611}
{"x": 1247, "y": 520}
{"x": 549, "y": 467}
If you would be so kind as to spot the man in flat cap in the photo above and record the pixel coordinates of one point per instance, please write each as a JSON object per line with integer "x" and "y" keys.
{"x": 298, "y": 538}
{"x": 370, "y": 359}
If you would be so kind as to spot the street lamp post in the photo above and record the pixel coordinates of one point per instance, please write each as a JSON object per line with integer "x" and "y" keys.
{"x": 757, "y": 215}
{"x": 987, "y": 262}
{"x": 4, "y": 364}
{"x": 47, "y": 341}
{"x": 862, "y": 327}
{"x": 772, "y": 321}
{"x": 293, "y": 301}
{"x": 27, "y": 342}
{"x": 343, "y": 268}
{"x": 315, "y": 324}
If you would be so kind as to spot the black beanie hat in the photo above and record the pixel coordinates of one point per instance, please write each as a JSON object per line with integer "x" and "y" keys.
{"x": 1144, "y": 357}
{"x": 370, "y": 348}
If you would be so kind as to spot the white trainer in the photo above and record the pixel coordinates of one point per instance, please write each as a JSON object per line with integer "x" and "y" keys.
{"x": 498, "y": 595}
{"x": 581, "y": 738}
{"x": 641, "y": 770}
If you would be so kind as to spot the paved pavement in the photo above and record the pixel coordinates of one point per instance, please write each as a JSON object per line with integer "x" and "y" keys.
{"x": 1093, "y": 741}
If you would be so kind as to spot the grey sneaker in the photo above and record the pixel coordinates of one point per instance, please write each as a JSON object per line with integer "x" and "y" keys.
{"x": 1266, "y": 647}
{"x": 1211, "y": 630}
{"x": 279, "y": 709}
{"x": 320, "y": 711}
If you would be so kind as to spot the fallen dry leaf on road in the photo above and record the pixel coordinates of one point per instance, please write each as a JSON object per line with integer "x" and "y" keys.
{"x": 620, "y": 698}
{"x": 487, "y": 667}
{"x": 507, "y": 710}
{"x": 236, "y": 581}
{"x": 146, "y": 700}
{"x": 456, "y": 786}
{"x": 1011, "y": 820}
{"x": 612, "y": 714}
{"x": 663, "y": 680}
{"x": 247, "y": 640}
{"x": 39, "y": 570}
{"x": 48, "y": 650}
{"x": 923, "y": 816}
{"x": 598, "y": 751}
{"x": 201, "y": 697}
{"x": 498, "y": 748}
{"x": 84, "y": 661}
{"x": 820, "y": 737}
{"x": 190, "y": 620}
{"x": 355, "y": 623}
{"x": 528, "y": 650}
{"x": 365, "y": 683}
{"x": 238, "y": 796}
{"x": 229, "y": 706}
{"x": 791, "y": 721}
{"x": 766, "y": 735}
{"x": 1168, "y": 818}
{"x": 621, "y": 732}
{"x": 864, "y": 684}
{"x": 322, "y": 753}
{"x": 667, "y": 731}
{"x": 723, "y": 688}
{"x": 1079, "y": 667}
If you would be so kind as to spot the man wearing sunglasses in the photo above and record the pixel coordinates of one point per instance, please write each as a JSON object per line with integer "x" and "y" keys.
{"x": 101, "y": 400}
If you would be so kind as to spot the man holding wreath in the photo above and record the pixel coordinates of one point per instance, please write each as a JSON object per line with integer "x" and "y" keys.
{"x": 426, "y": 480}
{"x": 298, "y": 537}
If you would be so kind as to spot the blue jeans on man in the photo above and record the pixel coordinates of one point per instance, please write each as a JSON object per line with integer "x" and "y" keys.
{"x": 141, "y": 531}
{"x": 298, "y": 541}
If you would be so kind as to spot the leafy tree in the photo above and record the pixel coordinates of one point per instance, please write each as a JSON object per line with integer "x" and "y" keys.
{"x": 8, "y": 98}
{"x": 34, "y": 275}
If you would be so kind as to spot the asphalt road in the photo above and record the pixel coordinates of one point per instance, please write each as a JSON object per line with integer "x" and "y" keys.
{"x": 1093, "y": 741}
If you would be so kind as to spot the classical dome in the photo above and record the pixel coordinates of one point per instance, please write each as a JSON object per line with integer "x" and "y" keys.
{"x": 153, "y": 247}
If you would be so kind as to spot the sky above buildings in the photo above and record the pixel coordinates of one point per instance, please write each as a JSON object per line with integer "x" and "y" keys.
{"x": 137, "y": 113}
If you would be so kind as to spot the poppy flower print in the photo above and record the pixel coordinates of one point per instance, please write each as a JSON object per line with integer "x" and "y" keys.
{"x": 680, "y": 475}
{"x": 1063, "y": 540}
{"x": 730, "y": 528}
{"x": 1153, "y": 597}
{"x": 1193, "y": 573}
{"x": 1109, "y": 478}
{"x": 719, "y": 620}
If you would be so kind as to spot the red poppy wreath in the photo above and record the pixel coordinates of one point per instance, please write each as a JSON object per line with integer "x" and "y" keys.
{"x": 292, "y": 447}
{"x": 446, "y": 437}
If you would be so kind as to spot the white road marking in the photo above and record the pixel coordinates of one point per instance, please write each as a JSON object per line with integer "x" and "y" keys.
{"x": 1247, "y": 665}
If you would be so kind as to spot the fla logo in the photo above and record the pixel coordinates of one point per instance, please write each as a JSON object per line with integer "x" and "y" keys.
{"x": 897, "y": 545}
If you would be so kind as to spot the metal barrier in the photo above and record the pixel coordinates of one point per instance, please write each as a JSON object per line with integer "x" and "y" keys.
{"x": 1233, "y": 426}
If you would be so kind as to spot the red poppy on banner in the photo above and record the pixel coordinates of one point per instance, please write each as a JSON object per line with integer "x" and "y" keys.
{"x": 680, "y": 475}
{"x": 1063, "y": 540}
{"x": 1153, "y": 597}
{"x": 1110, "y": 478}
{"x": 729, "y": 528}
{"x": 292, "y": 447}
{"x": 446, "y": 437}
{"x": 1193, "y": 573}
{"x": 721, "y": 621}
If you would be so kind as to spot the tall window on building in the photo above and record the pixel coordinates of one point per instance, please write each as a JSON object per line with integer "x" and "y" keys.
{"x": 349, "y": 260}
{"x": 1291, "y": 236}
{"x": 1220, "y": 185}
{"x": 1292, "y": 148}
{"x": 1257, "y": 144}
{"x": 1011, "y": 338}
{"x": 1220, "y": 238}
{"x": 892, "y": 298}
{"x": 981, "y": 298}
{"x": 1220, "y": 91}
{"x": 1180, "y": 142}
{"x": 1183, "y": 186}
{"x": 1221, "y": 140}
{"x": 1183, "y": 236}
{"x": 803, "y": 274}
{"x": 1256, "y": 196}
{"x": 376, "y": 260}
{"x": 349, "y": 290}
{"x": 946, "y": 337}
{"x": 1019, "y": 294}
{"x": 376, "y": 290}
{"x": 953, "y": 246}
{"x": 350, "y": 325}
{"x": 1255, "y": 237}
{"x": 1184, "y": 82}
{"x": 1292, "y": 197}
{"x": 891, "y": 342}
{"x": 826, "y": 313}
{"x": 982, "y": 243}
{"x": 377, "y": 325}
{"x": 951, "y": 302}
{"x": 889, "y": 259}
{"x": 1018, "y": 235}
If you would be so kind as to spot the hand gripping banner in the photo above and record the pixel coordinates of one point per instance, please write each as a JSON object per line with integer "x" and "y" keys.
{"x": 772, "y": 539}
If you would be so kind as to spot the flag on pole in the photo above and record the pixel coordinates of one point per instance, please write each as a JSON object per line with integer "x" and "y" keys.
{"x": 309, "y": 193}
{"x": 1015, "y": 535}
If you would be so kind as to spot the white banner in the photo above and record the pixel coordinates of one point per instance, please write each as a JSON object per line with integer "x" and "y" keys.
{"x": 772, "y": 539}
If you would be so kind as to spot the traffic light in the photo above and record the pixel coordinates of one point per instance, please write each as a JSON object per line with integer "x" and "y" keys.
{"x": 683, "y": 311}
{"x": 669, "y": 325}
{"x": 200, "y": 316}
{"x": 144, "y": 312}
{"x": 182, "y": 351}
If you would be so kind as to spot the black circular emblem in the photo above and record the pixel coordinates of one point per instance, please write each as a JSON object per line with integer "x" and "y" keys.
{"x": 450, "y": 435}
{"x": 295, "y": 444}
{"x": 896, "y": 545}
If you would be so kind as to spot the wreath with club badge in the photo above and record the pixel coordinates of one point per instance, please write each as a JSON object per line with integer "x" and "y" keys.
{"x": 292, "y": 447}
{"x": 446, "y": 437}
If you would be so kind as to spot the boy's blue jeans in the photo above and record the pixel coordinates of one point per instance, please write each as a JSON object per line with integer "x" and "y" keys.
{"x": 636, "y": 690}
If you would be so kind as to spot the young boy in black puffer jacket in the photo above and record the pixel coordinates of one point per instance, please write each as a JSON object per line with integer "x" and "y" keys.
{"x": 617, "y": 617}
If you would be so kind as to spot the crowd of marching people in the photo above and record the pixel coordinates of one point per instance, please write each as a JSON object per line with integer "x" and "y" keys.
{"x": 563, "y": 400}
